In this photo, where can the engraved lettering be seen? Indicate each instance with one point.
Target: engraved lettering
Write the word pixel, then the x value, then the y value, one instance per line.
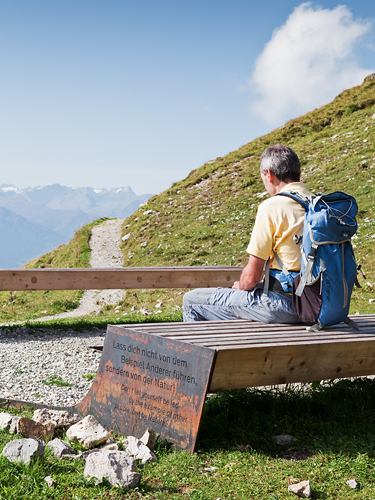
pixel 149 354
pixel 158 369
pixel 165 385
pixel 116 345
pixel 179 362
pixel 132 362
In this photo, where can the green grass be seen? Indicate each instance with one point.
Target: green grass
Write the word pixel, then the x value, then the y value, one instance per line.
pixel 333 425
pixel 207 218
pixel 22 306
pixel 56 380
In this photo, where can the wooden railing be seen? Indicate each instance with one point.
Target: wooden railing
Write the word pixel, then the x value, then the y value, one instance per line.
pixel 118 278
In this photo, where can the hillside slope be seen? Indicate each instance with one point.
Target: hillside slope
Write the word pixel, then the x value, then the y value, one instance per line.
pixel 19 306
pixel 207 218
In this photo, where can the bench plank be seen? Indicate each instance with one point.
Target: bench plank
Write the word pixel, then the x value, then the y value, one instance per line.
pixel 249 354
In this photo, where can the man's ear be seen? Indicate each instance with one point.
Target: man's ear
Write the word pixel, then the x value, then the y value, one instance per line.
pixel 270 175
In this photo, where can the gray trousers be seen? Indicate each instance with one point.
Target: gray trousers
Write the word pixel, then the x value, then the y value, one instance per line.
pixel 213 304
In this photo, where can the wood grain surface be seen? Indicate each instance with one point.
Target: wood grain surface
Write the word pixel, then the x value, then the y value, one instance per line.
pixel 118 278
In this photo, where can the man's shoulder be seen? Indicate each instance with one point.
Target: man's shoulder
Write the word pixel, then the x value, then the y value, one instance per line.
pixel 298 187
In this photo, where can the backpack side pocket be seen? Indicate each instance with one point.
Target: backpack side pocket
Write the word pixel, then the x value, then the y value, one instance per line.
pixel 308 305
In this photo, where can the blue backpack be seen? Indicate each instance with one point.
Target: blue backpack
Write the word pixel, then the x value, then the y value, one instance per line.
pixel 322 290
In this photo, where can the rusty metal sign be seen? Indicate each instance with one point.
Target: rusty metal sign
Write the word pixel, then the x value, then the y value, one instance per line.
pixel 146 380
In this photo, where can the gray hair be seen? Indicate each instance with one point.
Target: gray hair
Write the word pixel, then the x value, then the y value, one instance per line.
pixel 282 162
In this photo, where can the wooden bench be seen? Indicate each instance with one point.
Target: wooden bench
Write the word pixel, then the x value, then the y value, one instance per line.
pixel 158 375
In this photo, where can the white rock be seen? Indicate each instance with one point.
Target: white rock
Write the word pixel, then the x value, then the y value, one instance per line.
pixel 139 450
pixel 51 483
pixel 23 450
pixel 145 311
pixel 13 425
pixel 84 454
pixel 301 489
pixel 62 419
pixel 353 484
pixel 61 448
pixel 148 212
pixel 117 467
pixel 144 244
pixel 373 116
pixel 88 432
pixel 126 237
pixel 371 301
pixel 284 439
pixel 149 439
pixel 5 420
pixel 110 446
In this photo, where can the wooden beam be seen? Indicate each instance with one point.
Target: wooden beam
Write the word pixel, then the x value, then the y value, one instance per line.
pixel 118 278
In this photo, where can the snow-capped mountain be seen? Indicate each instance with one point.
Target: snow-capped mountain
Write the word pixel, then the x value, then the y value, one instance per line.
pixel 57 212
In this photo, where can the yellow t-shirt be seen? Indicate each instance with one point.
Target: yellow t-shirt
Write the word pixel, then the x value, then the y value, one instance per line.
pixel 278 219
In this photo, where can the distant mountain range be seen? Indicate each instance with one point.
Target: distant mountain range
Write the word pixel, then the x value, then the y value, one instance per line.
pixel 35 220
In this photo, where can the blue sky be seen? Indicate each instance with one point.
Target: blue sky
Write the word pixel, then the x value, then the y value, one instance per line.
pixel 125 93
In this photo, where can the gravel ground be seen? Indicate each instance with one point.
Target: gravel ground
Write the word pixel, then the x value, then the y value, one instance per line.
pixel 27 358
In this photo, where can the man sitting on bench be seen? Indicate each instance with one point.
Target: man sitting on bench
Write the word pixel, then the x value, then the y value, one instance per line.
pixel 277 222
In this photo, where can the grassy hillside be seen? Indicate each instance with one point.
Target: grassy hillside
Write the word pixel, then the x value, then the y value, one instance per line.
pixel 207 218
pixel 28 305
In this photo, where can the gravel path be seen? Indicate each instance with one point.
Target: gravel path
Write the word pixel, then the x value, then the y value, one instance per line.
pixel 29 359
pixel 105 252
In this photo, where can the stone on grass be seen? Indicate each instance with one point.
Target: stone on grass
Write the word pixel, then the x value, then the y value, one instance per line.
pixel 23 450
pixel 284 439
pixel 353 484
pixel 139 450
pixel 30 429
pixel 61 418
pixel 118 467
pixel 84 454
pixel 5 420
pixel 51 483
pixel 301 489
pixel 8 422
pixel 60 448
pixel 149 439
pixel 88 432
pixel 13 426
pixel 109 446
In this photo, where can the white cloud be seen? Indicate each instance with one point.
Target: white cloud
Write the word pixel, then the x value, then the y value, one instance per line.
pixel 307 62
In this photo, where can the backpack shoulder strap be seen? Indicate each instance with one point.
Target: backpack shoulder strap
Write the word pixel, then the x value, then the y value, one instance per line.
pixel 294 195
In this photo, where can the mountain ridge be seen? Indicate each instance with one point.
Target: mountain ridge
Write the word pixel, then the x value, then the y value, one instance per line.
pixel 61 210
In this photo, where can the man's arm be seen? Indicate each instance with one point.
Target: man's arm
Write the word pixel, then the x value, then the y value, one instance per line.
pixel 251 274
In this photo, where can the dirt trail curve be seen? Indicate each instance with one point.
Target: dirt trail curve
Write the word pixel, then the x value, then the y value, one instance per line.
pixel 105 252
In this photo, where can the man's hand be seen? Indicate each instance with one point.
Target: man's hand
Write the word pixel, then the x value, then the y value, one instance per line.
pixel 251 274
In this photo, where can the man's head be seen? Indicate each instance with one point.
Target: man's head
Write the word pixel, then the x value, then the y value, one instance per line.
pixel 282 162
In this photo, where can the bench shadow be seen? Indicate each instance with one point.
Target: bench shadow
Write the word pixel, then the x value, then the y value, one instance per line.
pixel 336 416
